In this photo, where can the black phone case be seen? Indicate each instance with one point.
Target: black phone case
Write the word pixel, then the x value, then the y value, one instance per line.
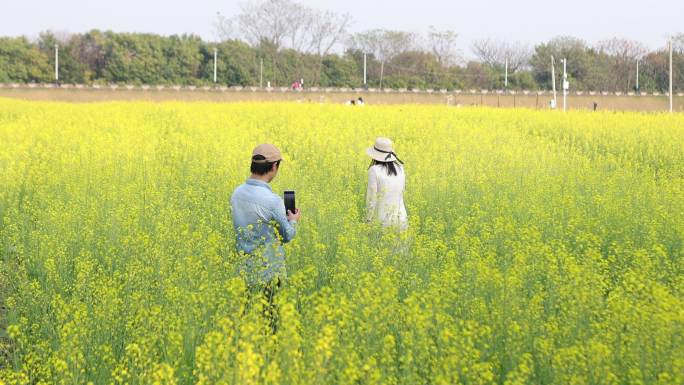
pixel 289 201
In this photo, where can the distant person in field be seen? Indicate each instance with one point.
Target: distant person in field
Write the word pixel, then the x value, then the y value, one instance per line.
pixel 262 225
pixel 386 181
pixel 355 102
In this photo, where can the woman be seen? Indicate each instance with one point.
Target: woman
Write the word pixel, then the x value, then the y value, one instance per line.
pixel 385 193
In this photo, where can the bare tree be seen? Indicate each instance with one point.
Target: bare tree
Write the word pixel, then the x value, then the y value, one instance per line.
pixel 278 24
pixel 620 56
pixel 442 44
pixel 224 27
pixel 327 29
pixel 622 49
pixel 300 19
pixel 678 43
pixel 271 22
pixel 383 44
pixel 496 53
pixel 397 42
pixel 284 24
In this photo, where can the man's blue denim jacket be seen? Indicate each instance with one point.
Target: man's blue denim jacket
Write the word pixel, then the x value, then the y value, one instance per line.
pixel 262 227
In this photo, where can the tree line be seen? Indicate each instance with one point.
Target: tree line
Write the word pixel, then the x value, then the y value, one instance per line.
pixel 281 41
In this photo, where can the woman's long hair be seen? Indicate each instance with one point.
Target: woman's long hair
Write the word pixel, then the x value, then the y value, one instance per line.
pixel 390 167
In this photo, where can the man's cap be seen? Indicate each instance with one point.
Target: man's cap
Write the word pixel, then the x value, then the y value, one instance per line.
pixel 268 151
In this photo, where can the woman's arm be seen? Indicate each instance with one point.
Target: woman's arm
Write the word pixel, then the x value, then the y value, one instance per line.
pixel 371 194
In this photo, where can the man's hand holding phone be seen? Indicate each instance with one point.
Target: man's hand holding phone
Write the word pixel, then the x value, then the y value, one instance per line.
pixel 290 207
pixel 293 216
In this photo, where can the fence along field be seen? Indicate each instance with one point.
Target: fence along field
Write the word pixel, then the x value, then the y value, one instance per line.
pixel 496 98
pixel 543 248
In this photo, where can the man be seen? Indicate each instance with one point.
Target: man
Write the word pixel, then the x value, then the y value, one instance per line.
pixel 262 226
pixel 260 221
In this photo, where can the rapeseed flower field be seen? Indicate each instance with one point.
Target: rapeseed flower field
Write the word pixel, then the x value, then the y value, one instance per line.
pixel 543 248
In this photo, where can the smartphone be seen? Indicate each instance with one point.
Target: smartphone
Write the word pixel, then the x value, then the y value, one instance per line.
pixel 289 201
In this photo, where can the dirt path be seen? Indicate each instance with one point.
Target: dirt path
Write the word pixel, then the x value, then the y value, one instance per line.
pixel 585 101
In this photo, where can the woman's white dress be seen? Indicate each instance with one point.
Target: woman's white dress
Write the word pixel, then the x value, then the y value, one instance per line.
pixel 385 197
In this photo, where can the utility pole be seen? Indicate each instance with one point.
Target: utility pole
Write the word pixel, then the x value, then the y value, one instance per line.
pixel 637 77
pixel 506 77
pixel 553 81
pixel 670 75
pixel 566 85
pixel 382 72
pixel 215 56
pixel 365 84
pixel 261 73
pixel 56 63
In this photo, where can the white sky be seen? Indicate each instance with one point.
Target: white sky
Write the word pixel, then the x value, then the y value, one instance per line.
pixel 527 21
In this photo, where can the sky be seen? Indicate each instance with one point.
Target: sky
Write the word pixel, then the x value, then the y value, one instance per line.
pixel 525 21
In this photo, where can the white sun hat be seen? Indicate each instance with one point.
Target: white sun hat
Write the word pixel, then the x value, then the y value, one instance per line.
pixel 383 151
